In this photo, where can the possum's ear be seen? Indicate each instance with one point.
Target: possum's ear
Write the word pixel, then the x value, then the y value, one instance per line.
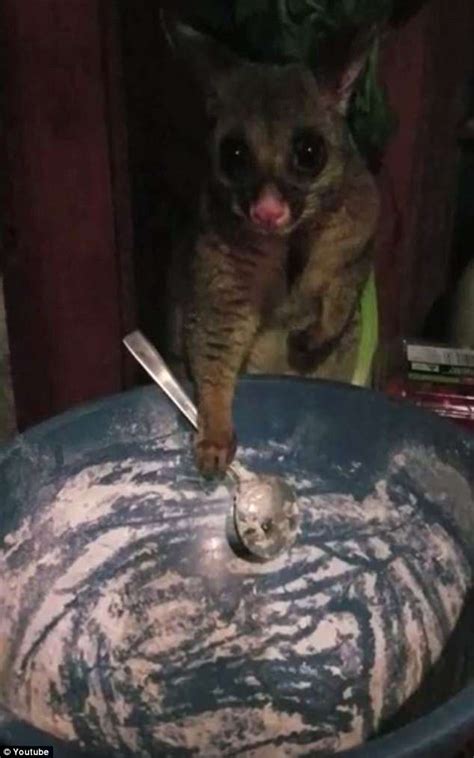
pixel 207 60
pixel 341 63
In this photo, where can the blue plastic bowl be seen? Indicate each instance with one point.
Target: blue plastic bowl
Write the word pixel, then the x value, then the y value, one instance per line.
pixel 332 439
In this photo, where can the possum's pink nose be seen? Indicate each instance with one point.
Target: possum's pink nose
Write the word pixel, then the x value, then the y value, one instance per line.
pixel 270 210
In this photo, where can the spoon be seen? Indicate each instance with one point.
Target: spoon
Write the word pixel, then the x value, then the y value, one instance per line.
pixel 266 513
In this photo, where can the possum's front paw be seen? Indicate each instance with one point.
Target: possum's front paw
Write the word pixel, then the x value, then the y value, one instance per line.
pixel 307 348
pixel 214 450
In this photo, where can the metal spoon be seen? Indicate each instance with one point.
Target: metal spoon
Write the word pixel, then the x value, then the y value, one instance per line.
pixel 266 513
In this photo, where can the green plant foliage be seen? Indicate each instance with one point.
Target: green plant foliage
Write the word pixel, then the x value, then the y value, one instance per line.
pixel 371 119
pixel 279 31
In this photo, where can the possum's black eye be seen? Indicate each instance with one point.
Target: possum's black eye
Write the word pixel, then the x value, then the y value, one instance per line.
pixel 308 152
pixel 234 158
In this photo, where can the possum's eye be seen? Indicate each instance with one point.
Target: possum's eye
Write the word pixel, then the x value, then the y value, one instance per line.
pixel 308 152
pixel 234 158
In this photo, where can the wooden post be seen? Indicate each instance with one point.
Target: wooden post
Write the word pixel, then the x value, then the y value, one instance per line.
pixel 65 248
pixel 427 64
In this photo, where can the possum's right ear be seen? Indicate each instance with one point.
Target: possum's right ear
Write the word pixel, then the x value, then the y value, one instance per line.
pixel 208 60
pixel 342 62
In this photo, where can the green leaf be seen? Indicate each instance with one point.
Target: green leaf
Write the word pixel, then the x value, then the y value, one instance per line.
pixel 211 16
pixel 349 7
pixel 244 10
pixel 298 9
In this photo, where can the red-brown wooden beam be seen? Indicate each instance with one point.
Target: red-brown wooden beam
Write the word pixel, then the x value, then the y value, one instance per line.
pixel 63 268
pixel 402 74
pixel 426 68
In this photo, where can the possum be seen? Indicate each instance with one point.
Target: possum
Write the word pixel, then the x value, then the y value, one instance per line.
pixel 269 278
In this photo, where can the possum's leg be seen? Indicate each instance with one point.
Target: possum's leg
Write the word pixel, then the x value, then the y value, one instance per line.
pixel 221 327
pixel 307 348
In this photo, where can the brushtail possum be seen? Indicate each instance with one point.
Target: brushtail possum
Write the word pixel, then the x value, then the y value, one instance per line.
pixel 270 277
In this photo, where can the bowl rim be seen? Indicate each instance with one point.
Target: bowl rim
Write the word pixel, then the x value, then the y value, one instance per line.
pixel 444 727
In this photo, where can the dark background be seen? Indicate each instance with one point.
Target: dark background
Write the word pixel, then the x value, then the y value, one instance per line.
pixel 101 142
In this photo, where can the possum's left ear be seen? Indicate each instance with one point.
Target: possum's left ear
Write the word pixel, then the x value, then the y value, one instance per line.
pixel 341 63
pixel 208 60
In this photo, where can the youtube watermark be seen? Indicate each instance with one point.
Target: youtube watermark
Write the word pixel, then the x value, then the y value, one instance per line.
pixel 22 751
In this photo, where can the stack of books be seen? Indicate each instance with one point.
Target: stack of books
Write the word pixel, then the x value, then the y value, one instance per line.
pixel 439 363
pixel 439 378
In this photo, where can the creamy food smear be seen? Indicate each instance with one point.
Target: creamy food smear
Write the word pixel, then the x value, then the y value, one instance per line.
pixel 123 607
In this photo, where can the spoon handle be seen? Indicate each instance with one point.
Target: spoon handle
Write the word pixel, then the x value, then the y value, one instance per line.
pixel 154 365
